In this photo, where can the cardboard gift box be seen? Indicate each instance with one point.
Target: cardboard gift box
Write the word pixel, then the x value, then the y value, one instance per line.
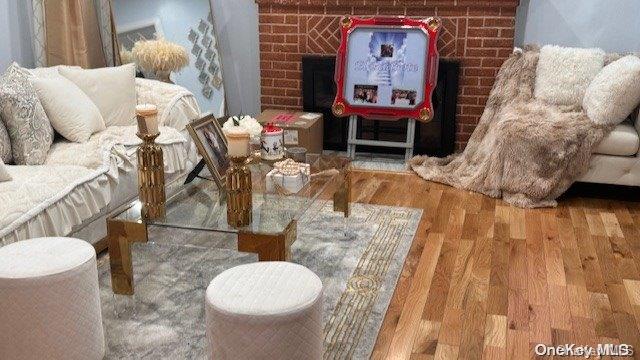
pixel 300 128
pixel 292 183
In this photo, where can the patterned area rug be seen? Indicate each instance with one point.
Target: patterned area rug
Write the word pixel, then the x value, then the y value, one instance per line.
pixel 358 259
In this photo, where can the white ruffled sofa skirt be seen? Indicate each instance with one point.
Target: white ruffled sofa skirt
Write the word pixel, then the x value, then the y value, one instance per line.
pixel 80 210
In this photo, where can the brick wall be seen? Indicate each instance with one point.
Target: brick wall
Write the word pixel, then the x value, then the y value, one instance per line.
pixel 481 36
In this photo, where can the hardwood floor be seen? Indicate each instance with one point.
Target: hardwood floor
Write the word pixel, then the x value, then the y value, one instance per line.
pixel 487 280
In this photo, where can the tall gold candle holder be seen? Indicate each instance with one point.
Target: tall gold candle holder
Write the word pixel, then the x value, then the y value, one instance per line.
pixel 151 178
pixel 239 202
pixel 150 164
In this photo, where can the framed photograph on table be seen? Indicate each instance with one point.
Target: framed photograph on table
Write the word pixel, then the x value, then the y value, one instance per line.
pixel 212 146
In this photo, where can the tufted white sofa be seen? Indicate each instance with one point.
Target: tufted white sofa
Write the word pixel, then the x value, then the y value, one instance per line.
pixel 617 159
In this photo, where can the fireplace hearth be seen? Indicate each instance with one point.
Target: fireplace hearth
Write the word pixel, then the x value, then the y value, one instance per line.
pixel 436 138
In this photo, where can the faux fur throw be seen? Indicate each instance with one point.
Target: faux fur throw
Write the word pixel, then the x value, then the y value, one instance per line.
pixel 523 150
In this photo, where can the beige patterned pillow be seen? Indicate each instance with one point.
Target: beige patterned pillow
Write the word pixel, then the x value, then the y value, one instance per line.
pixel 29 129
pixel 5 145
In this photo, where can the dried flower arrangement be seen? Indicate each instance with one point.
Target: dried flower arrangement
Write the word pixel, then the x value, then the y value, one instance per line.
pixel 126 56
pixel 159 57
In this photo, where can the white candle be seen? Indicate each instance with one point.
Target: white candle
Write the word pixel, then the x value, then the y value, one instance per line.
pixel 147 115
pixel 237 142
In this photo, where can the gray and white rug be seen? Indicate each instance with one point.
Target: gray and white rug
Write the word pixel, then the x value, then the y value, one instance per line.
pixel 359 260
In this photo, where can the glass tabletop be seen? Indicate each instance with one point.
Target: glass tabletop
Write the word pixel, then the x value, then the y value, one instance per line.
pixel 200 205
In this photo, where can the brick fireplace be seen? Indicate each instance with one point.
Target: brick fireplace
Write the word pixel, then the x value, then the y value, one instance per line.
pixel 478 33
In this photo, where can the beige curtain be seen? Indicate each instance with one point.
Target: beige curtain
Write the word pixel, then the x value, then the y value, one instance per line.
pixel 73 34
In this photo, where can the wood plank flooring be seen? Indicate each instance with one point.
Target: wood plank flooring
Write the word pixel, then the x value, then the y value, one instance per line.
pixel 484 280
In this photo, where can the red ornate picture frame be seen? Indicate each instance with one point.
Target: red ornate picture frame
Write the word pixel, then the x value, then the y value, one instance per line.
pixel 373 54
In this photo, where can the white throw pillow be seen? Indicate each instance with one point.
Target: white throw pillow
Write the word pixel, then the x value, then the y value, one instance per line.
pixel 4 173
pixel 70 111
pixel 615 91
pixel 112 89
pixel 49 72
pixel 563 74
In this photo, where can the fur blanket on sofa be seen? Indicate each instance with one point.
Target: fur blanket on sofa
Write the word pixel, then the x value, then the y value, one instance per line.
pixel 523 150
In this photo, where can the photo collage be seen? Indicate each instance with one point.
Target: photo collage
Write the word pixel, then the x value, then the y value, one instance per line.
pixel 388 73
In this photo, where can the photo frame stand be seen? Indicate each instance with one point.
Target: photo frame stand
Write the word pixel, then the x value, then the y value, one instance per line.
pixel 353 140
pixel 195 173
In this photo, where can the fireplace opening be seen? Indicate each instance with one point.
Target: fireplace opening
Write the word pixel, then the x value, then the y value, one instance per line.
pixel 435 138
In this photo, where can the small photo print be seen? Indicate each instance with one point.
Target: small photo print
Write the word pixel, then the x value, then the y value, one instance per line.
pixel 403 97
pixel 196 50
pixel 216 81
pixel 206 41
pixel 386 50
pixel 209 54
pixel 200 64
pixel 203 26
pixel 365 93
pixel 203 77
pixel 207 91
pixel 213 68
pixel 193 36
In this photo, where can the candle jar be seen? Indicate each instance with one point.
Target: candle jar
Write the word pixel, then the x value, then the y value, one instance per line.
pixel 272 142
pixel 237 143
pixel 147 116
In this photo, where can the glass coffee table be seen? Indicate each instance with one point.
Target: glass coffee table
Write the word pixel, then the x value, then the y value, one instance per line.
pixel 200 206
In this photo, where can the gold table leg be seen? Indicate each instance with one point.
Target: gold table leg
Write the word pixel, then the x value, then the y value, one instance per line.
pixel 120 235
pixel 342 197
pixel 269 247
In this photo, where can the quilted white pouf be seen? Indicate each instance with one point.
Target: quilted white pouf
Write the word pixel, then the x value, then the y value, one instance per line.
pixel 49 300
pixel 265 310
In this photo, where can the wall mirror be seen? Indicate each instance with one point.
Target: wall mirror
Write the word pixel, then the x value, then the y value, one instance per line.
pixel 188 24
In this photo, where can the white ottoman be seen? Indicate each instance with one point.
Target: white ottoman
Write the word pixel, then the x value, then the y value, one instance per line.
pixel 49 300
pixel 265 310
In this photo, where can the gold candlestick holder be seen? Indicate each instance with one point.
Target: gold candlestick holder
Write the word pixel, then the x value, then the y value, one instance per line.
pixel 151 178
pixel 239 202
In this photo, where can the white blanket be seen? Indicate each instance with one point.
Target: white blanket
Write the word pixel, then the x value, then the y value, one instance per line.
pixel 113 142
pixel 86 169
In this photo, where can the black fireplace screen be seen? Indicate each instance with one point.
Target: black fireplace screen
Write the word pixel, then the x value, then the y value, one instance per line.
pixel 436 138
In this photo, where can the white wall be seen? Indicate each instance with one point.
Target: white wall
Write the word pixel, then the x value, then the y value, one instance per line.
pixel 613 25
pixel 237 28
pixel 15 33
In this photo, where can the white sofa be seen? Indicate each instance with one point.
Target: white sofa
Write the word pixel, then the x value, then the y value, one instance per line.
pixel 81 184
pixel 616 160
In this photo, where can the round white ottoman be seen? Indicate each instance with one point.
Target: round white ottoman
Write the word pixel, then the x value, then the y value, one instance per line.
pixel 265 310
pixel 49 300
